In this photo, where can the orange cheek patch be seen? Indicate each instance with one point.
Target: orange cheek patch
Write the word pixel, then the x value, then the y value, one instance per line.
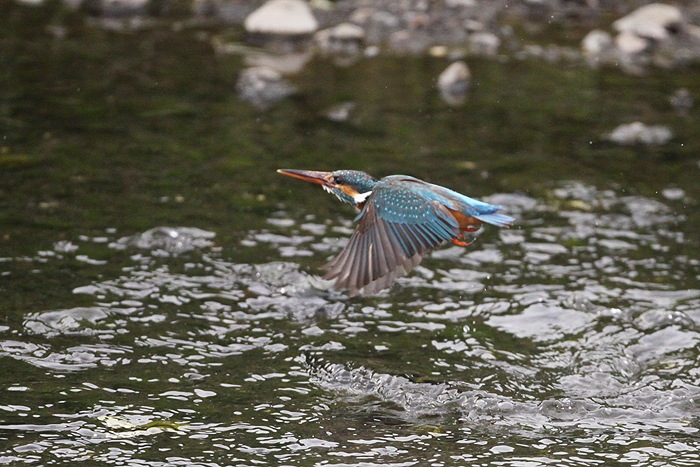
pixel 348 191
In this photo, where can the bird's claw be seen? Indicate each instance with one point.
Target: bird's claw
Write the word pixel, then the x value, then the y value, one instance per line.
pixel 462 241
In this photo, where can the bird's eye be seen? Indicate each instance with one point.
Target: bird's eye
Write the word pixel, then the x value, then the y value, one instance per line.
pixel 338 180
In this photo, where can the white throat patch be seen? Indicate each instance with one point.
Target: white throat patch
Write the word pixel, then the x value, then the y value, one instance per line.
pixel 361 197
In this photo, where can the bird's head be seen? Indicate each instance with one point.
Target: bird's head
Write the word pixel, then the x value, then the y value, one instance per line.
pixel 350 186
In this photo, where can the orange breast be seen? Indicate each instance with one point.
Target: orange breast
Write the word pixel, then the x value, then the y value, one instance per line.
pixel 466 223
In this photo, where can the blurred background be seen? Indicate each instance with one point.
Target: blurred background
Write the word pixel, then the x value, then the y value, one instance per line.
pixel 161 300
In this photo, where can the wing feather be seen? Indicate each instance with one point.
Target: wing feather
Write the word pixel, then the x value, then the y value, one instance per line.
pixel 385 257
pixel 388 242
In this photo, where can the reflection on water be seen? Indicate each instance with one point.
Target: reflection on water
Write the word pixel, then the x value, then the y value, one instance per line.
pixel 571 342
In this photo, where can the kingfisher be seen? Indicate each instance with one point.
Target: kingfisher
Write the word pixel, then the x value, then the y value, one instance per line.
pixel 401 218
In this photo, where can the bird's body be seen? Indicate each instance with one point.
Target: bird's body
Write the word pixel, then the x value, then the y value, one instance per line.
pixel 401 219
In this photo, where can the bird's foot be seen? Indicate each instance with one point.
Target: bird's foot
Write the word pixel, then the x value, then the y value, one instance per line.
pixel 462 241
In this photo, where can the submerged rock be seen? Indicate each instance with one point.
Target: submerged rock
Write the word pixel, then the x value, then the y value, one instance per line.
pixel 340 113
pixel 282 17
pixel 262 87
pixel 681 101
pixel 453 83
pixel 639 133
pixel 288 63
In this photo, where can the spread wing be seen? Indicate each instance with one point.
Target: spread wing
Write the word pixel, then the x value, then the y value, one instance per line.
pixel 396 228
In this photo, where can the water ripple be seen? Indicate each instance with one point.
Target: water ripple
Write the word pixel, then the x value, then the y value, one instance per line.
pixel 566 334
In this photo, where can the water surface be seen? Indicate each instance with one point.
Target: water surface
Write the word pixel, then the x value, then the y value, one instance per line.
pixel 161 299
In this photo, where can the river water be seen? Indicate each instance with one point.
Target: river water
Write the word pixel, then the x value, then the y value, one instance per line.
pixel 161 295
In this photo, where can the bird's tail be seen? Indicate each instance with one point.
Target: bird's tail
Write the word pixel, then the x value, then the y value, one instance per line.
pixel 500 220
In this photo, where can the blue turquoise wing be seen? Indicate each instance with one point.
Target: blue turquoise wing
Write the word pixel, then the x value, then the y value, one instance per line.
pixel 397 227
pixel 485 212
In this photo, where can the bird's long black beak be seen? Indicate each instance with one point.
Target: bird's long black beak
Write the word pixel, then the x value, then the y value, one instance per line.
pixel 312 176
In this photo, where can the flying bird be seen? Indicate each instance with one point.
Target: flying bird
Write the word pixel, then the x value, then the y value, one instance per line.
pixel 401 219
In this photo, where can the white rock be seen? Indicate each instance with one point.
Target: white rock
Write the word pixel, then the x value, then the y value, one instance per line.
pixel 639 133
pixel 453 83
pixel 652 21
pixel 630 44
pixel 455 77
pixel 282 17
pixel 347 32
pixel 596 43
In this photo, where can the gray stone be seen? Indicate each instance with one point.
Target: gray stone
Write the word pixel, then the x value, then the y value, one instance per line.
pixel 377 24
pixel 410 42
pixel 345 38
pixel 484 43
